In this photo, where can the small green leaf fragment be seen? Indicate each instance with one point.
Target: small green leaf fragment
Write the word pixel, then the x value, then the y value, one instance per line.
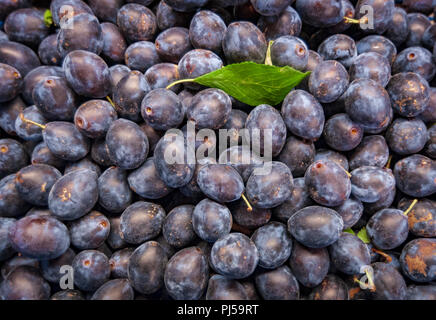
pixel 349 230
pixel 48 18
pixel 363 235
pixel 253 83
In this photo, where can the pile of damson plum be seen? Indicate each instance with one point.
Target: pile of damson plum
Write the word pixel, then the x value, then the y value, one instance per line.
pixel 91 207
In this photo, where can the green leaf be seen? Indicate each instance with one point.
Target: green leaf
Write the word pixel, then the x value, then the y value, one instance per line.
pixel 363 235
pixel 349 230
pixel 252 83
pixel 48 19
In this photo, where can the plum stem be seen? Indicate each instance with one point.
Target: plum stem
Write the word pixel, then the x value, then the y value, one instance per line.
pixel 32 122
pixel 268 60
pixel 410 207
pixel 250 208
pixel 110 101
pixel 388 164
pixel 179 81
pixel 355 21
pixel 383 254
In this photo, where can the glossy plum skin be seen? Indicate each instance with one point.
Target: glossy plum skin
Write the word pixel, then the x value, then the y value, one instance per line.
pixel 50 268
pixel 309 265
pixel 24 283
pixel 297 154
pixel 94 117
pixel 11 84
pixel 339 47
pixel 315 226
pixel 341 133
pixel 288 22
pixel 278 284
pixel 414 131
pixel 167 17
pixel 331 288
pixel 349 254
pixel 249 219
pixel 48 51
pixel 370 184
pixel 220 182
pixel 236 48
pixel 421 217
pixel 270 189
pixel 114 44
pixel 26 132
pixel 127 144
pixel 34 183
pixel 90 231
pixel 116 289
pixel 303 115
pixel 55 99
pixel 178 228
pixel 379 44
pixel 186 5
pixel 161 75
pixel 206 31
pixel 415 59
pixel 136 22
pixel 416 175
pixel 119 262
pixel 113 189
pixel 409 93
pixel 11 203
pixel 65 141
pixel 128 95
pixel 382 10
pixel 186 274
pixel 328 183
pixel 87 74
pixel 91 270
pixel 397 30
pixel 273 243
pixel 223 288
pixel 147 267
pixel 328 81
pixel 35 76
pixel 371 65
pixel 418 261
pixel 172 44
pixel 141 221
pixel 141 56
pixel 298 199
pixel 6 250
pixel 211 220
pixel 196 63
pixel 74 194
pixel 162 109
pixel 234 256
pixel 39 237
pixel 19 56
pixel 388 228
pixel 12 156
pixel 389 283
pixel 289 51
pixel 320 13
pixel 210 108
pixel 266 120
pixel 87 34
pixel 350 211
pixel 372 151
pixel 367 103
pixel 146 182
